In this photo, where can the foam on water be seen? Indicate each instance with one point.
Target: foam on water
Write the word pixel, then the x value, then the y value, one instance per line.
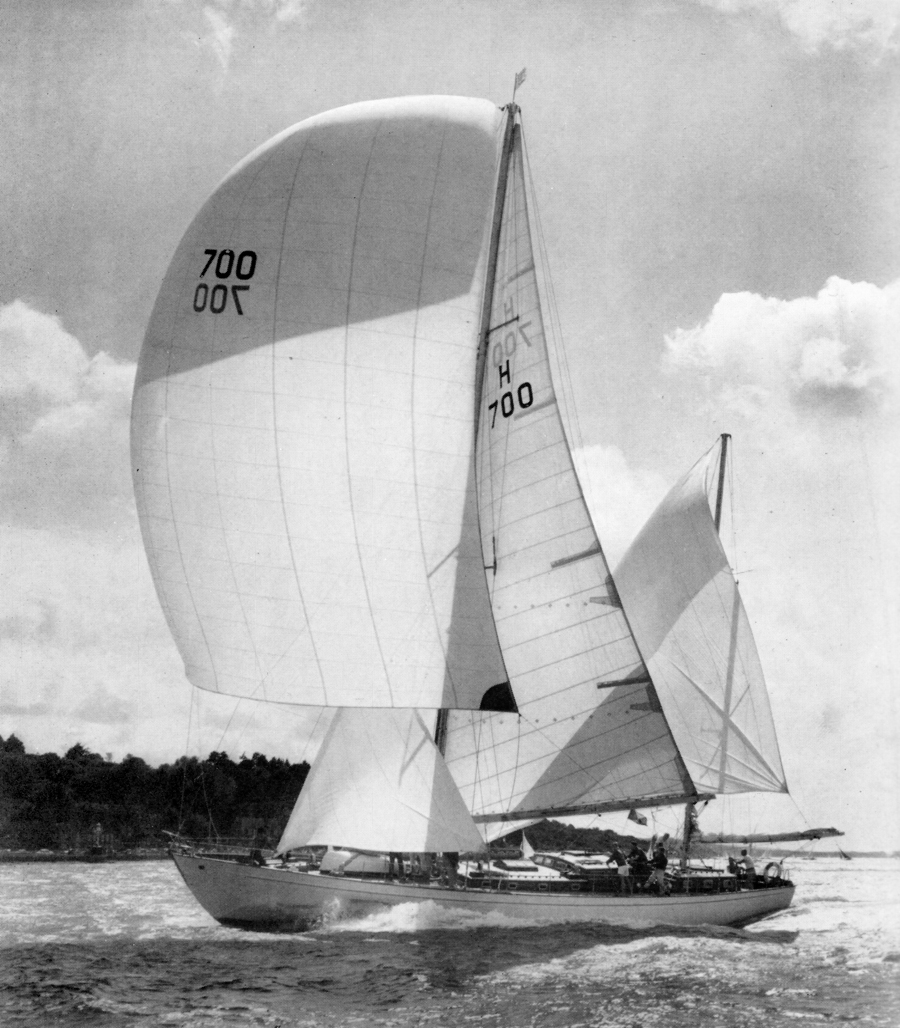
pixel 126 944
pixel 427 916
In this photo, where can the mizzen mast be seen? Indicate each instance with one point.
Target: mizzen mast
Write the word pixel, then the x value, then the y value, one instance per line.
pixel 690 810
pixel 720 491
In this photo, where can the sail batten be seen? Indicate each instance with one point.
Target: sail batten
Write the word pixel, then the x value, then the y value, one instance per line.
pixel 562 561
pixel 535 408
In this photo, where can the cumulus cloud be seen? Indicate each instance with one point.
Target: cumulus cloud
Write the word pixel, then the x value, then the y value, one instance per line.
pixel 85 654
pixel 63 427
pixel 77 604
pixel 870 26
pixel 222 23
pixel 220 34
pixel 620 498
pixel 289 10
pixel 103 707
pixel 41 360
pixel 833 354
pixel 810 388
pixel 79 621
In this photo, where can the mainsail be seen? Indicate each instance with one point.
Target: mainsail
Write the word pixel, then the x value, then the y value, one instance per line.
pixel 302 423
pixel 589 732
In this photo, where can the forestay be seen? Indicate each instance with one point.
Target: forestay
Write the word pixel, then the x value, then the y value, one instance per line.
pixel 687 615
pixel 302 422
pixel 589 729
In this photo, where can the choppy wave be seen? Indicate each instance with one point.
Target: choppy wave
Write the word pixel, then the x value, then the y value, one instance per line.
pixel 125 944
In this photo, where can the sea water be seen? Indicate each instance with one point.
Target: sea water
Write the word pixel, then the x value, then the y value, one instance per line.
pixel 125 944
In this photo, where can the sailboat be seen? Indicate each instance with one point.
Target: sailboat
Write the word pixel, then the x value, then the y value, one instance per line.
pixel 356 492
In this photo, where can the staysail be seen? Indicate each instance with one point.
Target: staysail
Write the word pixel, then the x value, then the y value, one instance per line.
pixel 686 612
pixel 302 431
pixel 589 733
pixel 380 784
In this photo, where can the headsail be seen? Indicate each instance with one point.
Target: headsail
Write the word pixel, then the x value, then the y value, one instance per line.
pixel 589 732
pixel 687 615
pixel 302 423
pixel 380 783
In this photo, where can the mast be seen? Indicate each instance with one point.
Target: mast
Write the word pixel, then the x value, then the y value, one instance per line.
pixel 509 135
pixel 721 488
pixel 690 810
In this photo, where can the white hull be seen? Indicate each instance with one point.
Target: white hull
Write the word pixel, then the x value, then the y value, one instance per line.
pixel 246 896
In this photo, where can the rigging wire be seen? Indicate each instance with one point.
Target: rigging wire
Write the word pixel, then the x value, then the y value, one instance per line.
pixel 187 748
pixel 551 308
pixel 732 513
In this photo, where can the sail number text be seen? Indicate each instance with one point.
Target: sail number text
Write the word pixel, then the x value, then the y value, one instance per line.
pixel 501 352
pixel 224 264
pixel 507 403
pixel 523 396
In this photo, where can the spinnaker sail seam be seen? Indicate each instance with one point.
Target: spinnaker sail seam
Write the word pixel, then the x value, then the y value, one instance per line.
pixel 304 629
pixel 364 583
pixel 185 290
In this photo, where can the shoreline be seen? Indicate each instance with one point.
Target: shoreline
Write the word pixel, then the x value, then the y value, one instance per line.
pixel 80 856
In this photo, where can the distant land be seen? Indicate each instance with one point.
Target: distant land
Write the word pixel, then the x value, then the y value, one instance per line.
pixel 82 806
pixel 81 802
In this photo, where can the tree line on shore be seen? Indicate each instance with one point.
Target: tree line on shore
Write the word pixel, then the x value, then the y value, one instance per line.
pixel 81 801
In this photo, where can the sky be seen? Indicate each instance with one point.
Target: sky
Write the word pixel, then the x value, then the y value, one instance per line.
pixel 718 184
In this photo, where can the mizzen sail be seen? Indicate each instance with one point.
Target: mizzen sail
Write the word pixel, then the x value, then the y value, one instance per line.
pixel 302 423
pixel 686 612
